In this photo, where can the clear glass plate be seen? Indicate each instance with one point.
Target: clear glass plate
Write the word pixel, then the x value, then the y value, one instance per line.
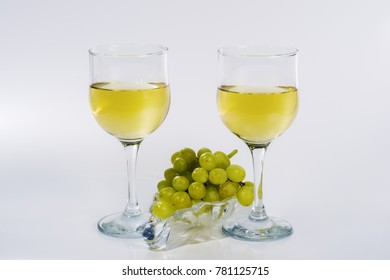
pixel 202 222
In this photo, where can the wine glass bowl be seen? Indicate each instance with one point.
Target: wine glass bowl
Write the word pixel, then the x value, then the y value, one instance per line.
pixel 265 113
pixel 257 100
pixel 129 98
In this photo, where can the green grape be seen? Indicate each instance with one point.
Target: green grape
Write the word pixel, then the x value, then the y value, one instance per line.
pixel 252 186
pixel 236 173
pixel 194 164
pixel 249 184
pixel 188 175
pixel 228 189
pixel 210 186
pixel 197 190
pixel 180 165
pixel 207 161
pixel 223 161
pixel 218 176
pixel 200 175
pixel 163 209
pixel 174 156
pixel 188 154
pixel 165 194
pixel 163 184
pixel 169 174
pixel 202 151
pixel 180 183
pixel 212 194
pixel 181 200
pixel 195 201
pixel 245 195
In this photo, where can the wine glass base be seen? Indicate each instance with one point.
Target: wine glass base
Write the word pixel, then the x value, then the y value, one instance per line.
pixel 246 229
pixel 123 226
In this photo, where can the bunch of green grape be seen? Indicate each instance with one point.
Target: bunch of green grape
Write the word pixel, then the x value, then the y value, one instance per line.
pixel 202 176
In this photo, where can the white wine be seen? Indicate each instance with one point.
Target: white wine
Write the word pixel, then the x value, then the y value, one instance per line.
pixel 256 114
pixel 129 111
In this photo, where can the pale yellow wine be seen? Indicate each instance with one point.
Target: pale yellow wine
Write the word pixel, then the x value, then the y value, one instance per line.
pixel 129 111
pixel 257 114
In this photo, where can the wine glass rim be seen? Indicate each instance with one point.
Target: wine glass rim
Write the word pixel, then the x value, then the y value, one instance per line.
pixel 128 50
pixel 257 51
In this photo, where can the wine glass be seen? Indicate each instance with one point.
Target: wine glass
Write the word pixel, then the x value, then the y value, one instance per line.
pixel 130 98
pixel 257 100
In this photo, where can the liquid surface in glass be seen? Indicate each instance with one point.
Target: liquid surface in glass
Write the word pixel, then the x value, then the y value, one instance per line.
pixel 257 114
pixel 129 111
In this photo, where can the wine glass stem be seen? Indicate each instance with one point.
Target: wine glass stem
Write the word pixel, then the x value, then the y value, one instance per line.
pixel 258 154
pixel 131 150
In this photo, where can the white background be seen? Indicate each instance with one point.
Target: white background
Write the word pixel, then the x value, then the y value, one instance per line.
pixel 59 172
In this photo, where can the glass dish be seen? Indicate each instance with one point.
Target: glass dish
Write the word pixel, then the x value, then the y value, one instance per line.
pixel 202 222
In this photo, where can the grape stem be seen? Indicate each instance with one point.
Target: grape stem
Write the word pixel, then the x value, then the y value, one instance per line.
pixel 232 153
